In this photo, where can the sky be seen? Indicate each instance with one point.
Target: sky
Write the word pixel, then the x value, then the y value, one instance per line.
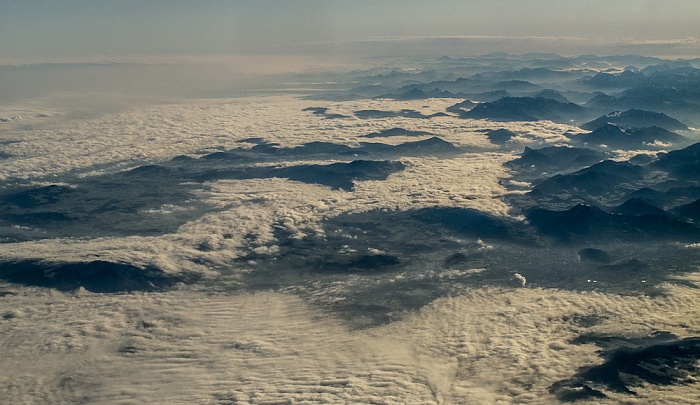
pixel 42 30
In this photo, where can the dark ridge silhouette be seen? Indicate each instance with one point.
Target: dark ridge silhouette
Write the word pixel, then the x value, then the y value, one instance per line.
pixel 580 220
pixel 335 116
pixel 626 79
pixel 601 179
pixel 430 146
pixel 624 170
pixel 270 148
pixel 498 112
pixel 638 206
pixel 316 110
pixel 642 159
pixel 673 91
pixel 95 276
pixel 594 256
pixel 339 176
pixel 669 197
pixel 636 119
pixel 150 171
pixel 367 114
pixel 514 86
pixel 500 136
pixel 460 107
pixel 689 211
pixel 313 148
pixel 395 132
pixel 591 222
pixel 465 221
pixel 555 158
pixel 418 94
pixel 219 156
pixel 182 159
pixel 684 163
pixel 613 136
pixel 531 158
pixel 413 94
pixel 37 197
pixel 660 360
pixel 489 96
pixel 434 88
pixel 378 114
pixel 323 111
pixel 552 95
pixel 526 109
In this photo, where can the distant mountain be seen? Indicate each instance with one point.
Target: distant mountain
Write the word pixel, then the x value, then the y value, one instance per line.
pixel 552 95
pixel 336 175
pixel 555 158
pixel 626 79
pixel 430 146
pixel 385 133
pixel 418 94
pixel 590 222
pixel 378 114
pixel 638 206
pixel 500 136
pixel 602 180
pixel 667 65
pixel 689 211
pixel 371 90
pixel 552 73
pixel 463 106
pixel 310 148
pixel 668 197
pixel 368 114
pixel 684 163
pixel 488 96
pixel 674 91
pixel 323 111
pixel 636 119
pixel 526 109
pixel 642 159
pixel 615 137
pixel 465 221
pixel 516 86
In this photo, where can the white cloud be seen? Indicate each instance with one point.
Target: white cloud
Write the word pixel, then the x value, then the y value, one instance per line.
pixel 193 345
pixel 54 146
pixel 251 209
pixel 190 346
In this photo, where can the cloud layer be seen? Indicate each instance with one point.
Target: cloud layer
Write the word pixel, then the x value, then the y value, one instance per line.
pixel 485 345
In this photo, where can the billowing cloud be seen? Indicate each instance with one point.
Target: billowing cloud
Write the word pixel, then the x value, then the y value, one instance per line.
pixel 485 345
pixel 453 327
pixel 249 210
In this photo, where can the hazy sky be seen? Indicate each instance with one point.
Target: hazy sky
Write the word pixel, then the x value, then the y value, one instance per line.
pixel 79 29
